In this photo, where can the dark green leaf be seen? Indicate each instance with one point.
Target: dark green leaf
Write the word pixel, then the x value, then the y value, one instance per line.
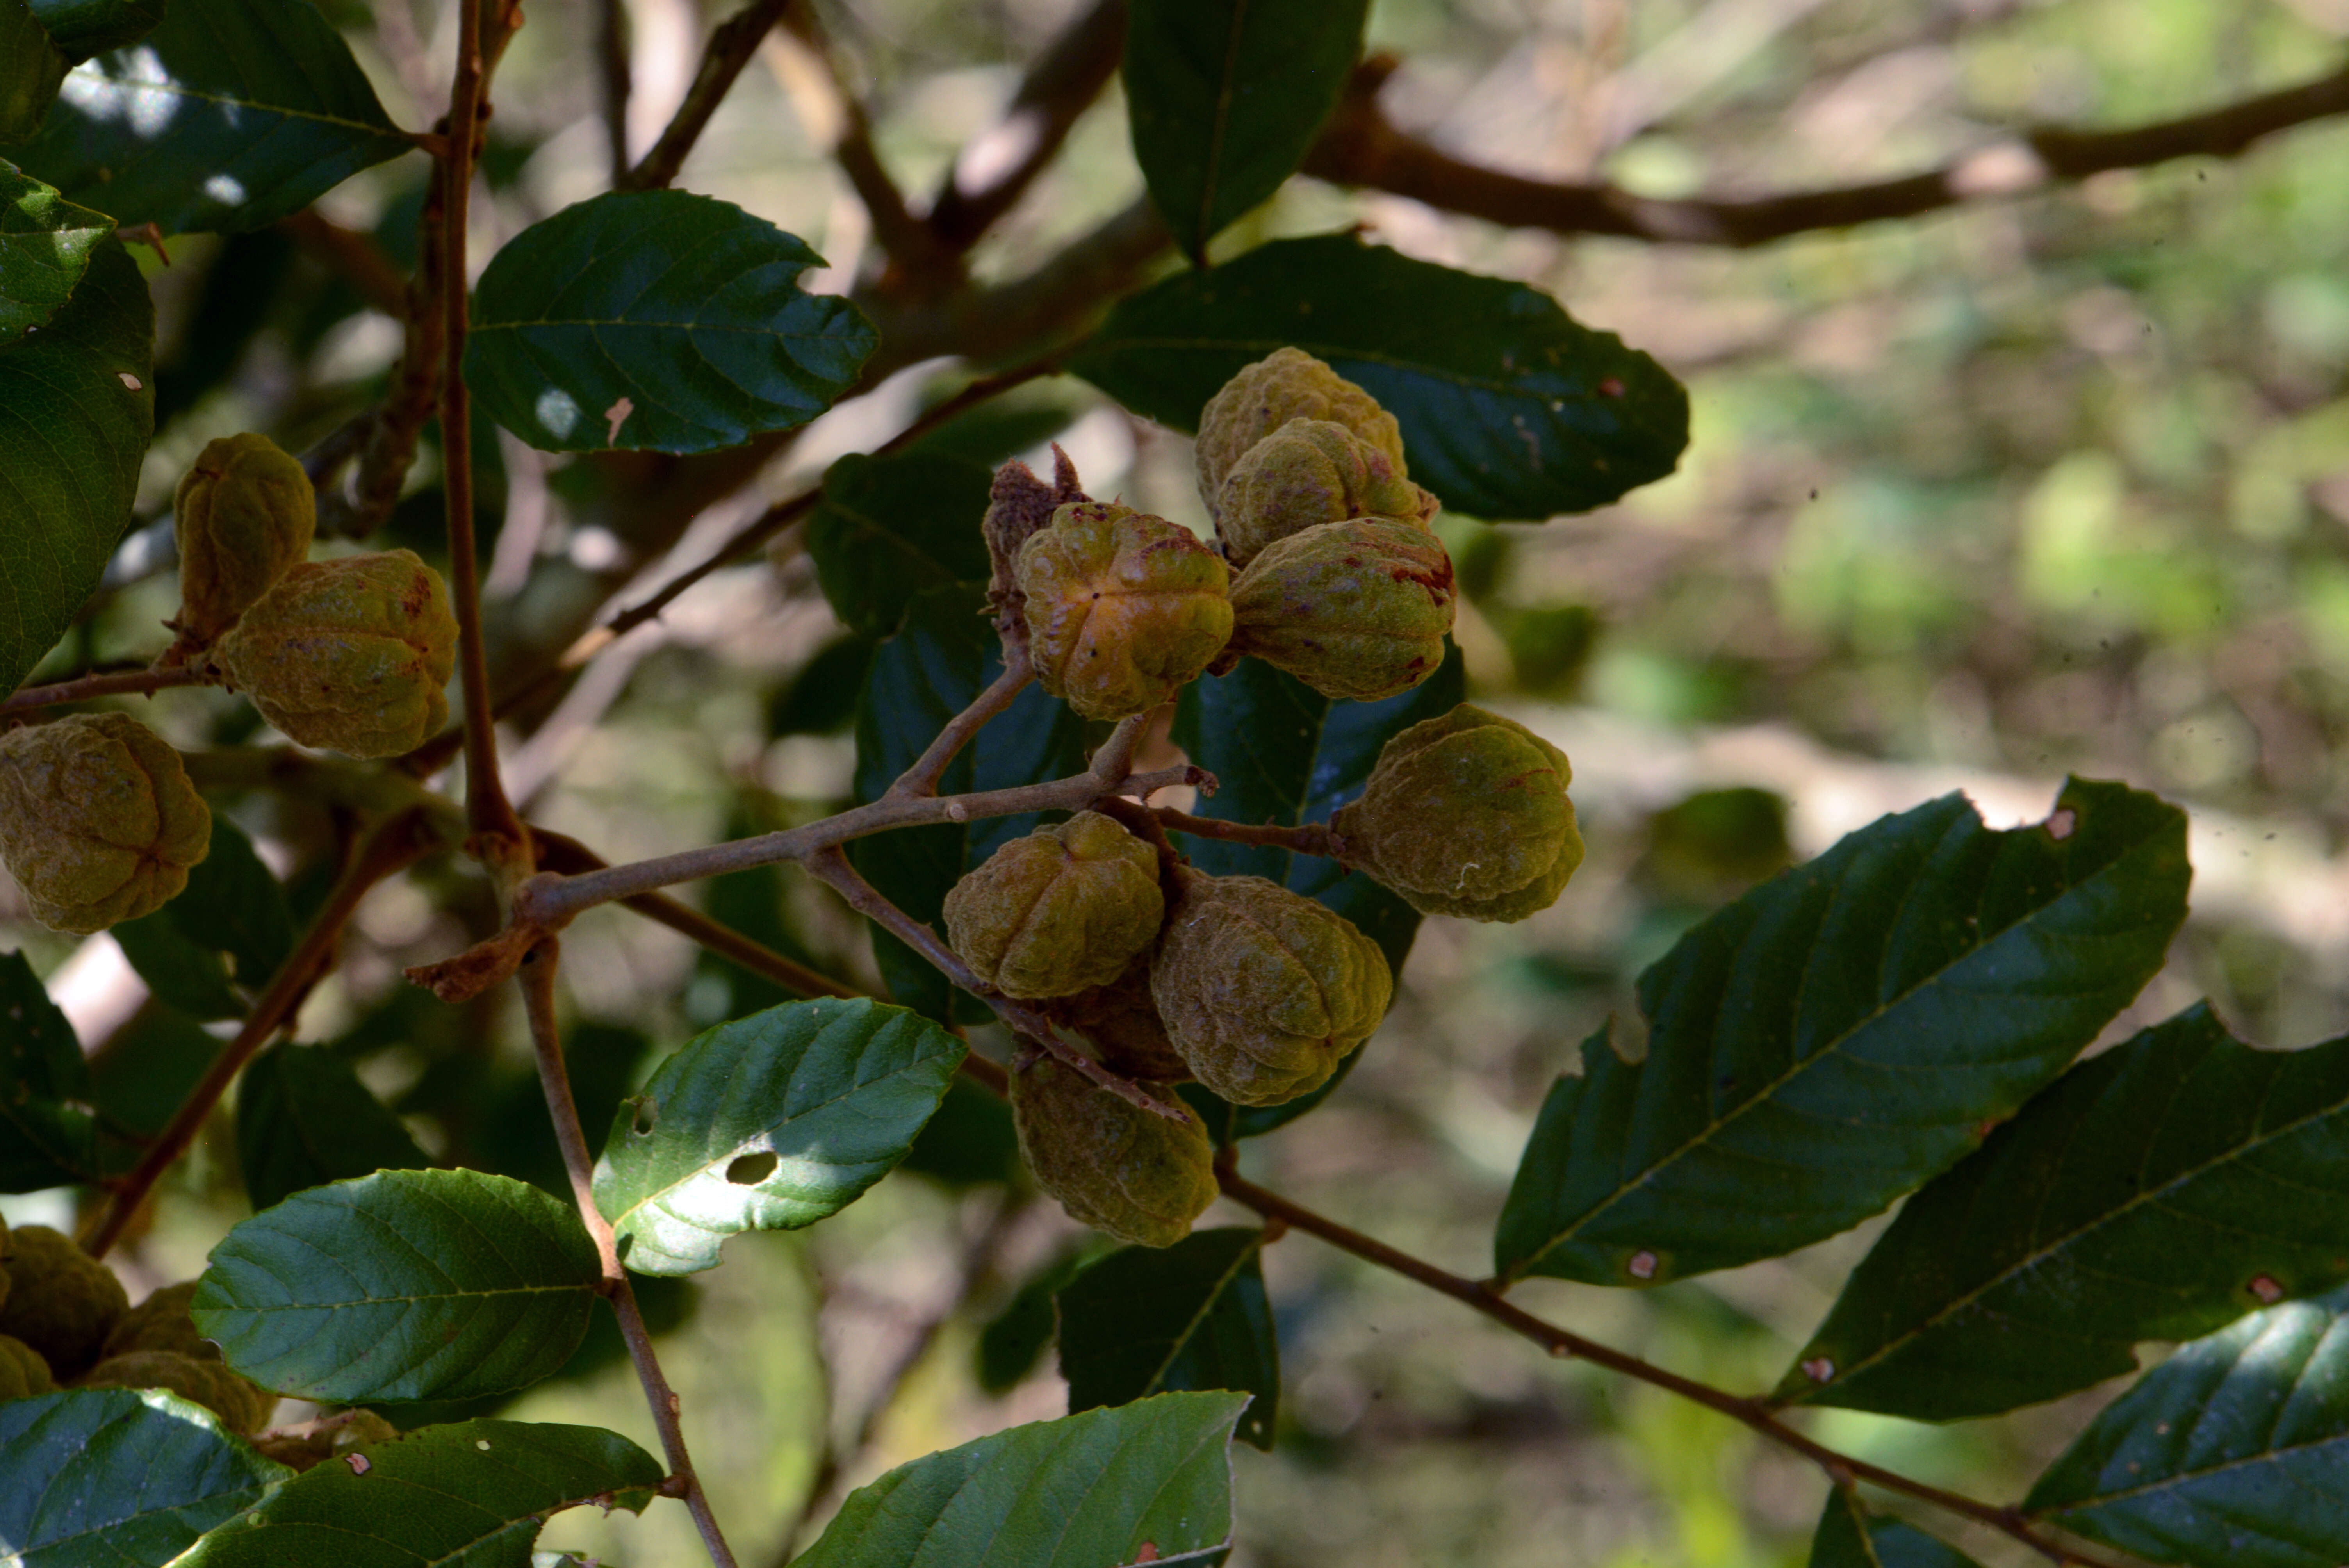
pixel 407 1285
pixel 2159 1191
pixel 1283 753
pixel 655 320
pixel 1843 1032
pixel 970 1140
pixel 146 1070
pixel 2234 1453
pixel 1510 408
pixel 231 921
pixel 1146 1482
pixel 1226 96
pixel 46 244
pixel 944 655
pixel 304 1119
pixel 471 1495
pixel 50 1136
pixel 890 527
pixel 1848 1537
pixel 77 406
pixel 768 1123
pixel 1154 1320
pixel 229 116
pixel 84 27
pixel 822 697
pixel 31 69
pixel 1014 1339
pixel 119 1478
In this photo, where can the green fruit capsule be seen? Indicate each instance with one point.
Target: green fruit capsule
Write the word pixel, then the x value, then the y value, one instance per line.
pixel 1066 908
pixel 1355 609
pixel 99 822
pixel 244 516
pixel 1112 1164
pixel 1287 384
pixel 62 1302
pixel 1310 471
pixel 1123 609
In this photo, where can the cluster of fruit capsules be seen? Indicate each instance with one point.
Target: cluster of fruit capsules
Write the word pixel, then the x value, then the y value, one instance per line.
pixel 1326 568
pixel 99 821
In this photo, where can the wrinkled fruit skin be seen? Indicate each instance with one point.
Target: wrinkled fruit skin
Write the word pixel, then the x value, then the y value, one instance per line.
pixel 61 1301
pixel 161 1323
pixel 1124 1025
pixel 1112 1165
pixel 1467 815
pixel 1355 609
pixel 22 1373
pixel 244 516
pixel 1288 384
pixel 349 654
pixel 1263 991
pixel 241 1407
pixel 1123 608
pixel 1058 912
pixel 98 820
pixel 1305 472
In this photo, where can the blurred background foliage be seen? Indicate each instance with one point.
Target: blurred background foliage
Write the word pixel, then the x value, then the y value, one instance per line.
pixel 2027 487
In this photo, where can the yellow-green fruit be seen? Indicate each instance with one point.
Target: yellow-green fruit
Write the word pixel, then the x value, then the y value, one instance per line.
pixel 22 1373
pixel 61 1301
pixel 349 654
pixel 1122 1023
pixel 241 1407
pixel 161 1323
pixel 1263 991
pixel 1060 911
pixel 1467 815
pixel 1309 471
pixel 1288 384
pixel 98 820
pixel 1112 1164
pixel 1354 609
pixel 1123 608
pixel 243 516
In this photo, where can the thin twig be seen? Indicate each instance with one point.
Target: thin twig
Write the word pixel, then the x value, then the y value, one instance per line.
pixel 1359 146
pixel 393 844
pixel 356 256
pixel 920 781
pixel 612 63
pixel 1753 1413
pixel 905 239
pixel 537 977
pixel 119 682
pixel 730 48
pixel 1305 839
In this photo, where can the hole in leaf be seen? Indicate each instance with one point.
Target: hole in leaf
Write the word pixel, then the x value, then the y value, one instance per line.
pixel 642 1122
pixel 749 1169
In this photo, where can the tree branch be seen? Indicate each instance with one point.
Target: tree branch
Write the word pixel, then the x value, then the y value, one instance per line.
pixel 616 83
pixel 1753 1413
pixel 119 683
pixel 1361 146
pixel 1305 839
pixel 730 48
pixel 537 977
pixel 902 238
pixel 393 844
pixel 920 781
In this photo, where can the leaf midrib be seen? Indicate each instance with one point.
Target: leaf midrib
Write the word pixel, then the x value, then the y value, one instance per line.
pixel 385 131
pixel 1206 1309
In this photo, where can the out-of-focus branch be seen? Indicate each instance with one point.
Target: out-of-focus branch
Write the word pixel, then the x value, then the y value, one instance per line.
pixel 354 255
pixel 996 169
pixel 612 64
pixel 903 239
pixel 730 48
pixel 117 683
pixel 1361 146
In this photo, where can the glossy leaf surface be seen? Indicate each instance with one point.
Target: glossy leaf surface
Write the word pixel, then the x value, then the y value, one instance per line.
pixel 1849 1537
pixel 2157 1192
pixel 46 244
pixel 32 68
pixel 472 1494
pixel 407 1285
pixel 1843 1032
pixel 113 1478
pixel 76 406
pixel 659 321
pixel 1146 1482
pixel 2234 1453
pixel 1225 96
pixel 48 1137
pixel 227 117
pixel 768 1123
pixel 1509 407
pixel 81 28
pixel 1156 1320
pixel 304 1119
pixel 890 527
pixel 230 923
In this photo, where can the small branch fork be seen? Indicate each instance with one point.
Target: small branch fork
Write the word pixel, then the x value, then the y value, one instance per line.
pixel 119 683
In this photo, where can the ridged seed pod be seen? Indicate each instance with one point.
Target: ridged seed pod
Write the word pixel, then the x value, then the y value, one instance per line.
pixel 1467 815
pixel 1310 471
pixel 22 1373
pixel 1122 1023
pixel 99 822
pixel 1287 384
pixel 243 516
pixel 349 654
pixel 1354 609
pixel 1112 1165
pixel 1263 991
pixel 161 1323
pixel 1066 908
pixel 61 1301
pixel 241 1407
pixel 1123 609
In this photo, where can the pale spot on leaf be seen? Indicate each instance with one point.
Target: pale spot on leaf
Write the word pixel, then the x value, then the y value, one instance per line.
pixel 1643 1266
pixel 616 416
